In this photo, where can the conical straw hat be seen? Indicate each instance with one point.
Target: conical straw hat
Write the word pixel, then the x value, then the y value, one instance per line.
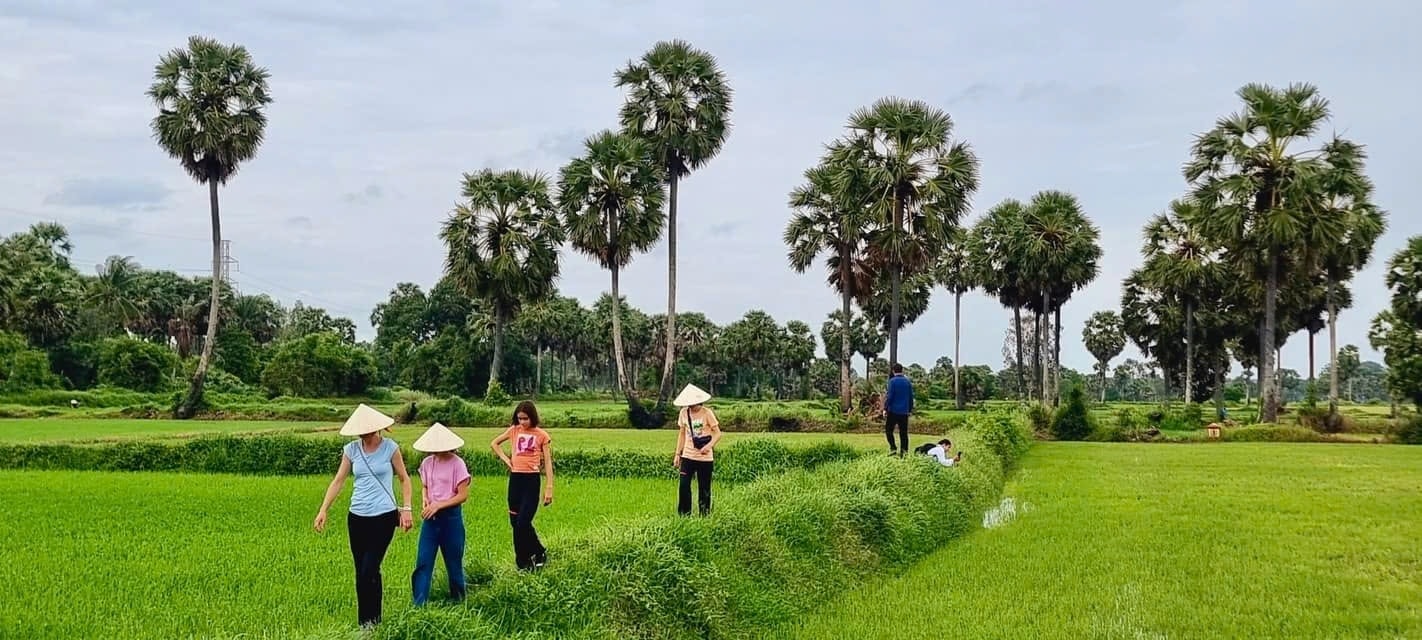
pixel 692 395
pixel 365 420
pixel 438 438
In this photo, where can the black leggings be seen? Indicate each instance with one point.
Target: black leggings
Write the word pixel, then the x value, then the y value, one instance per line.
pixel 901 421
pixel 370 537
pixel 524 499
pixel 702 471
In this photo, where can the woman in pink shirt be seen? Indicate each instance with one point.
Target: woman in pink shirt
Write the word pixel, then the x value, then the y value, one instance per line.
pixel 445 481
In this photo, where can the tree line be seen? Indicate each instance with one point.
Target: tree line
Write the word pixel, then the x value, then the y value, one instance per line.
pixel 1272 227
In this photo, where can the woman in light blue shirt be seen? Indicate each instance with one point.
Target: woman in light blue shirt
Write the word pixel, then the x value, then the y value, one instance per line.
pixel 374 460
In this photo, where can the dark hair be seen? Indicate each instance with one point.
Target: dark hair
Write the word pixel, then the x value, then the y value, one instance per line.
pixel 526 408
pixel 897 368
pixel 945 442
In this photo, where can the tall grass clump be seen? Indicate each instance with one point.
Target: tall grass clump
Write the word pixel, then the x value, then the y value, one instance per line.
pixel 770 550
pixel 1073 419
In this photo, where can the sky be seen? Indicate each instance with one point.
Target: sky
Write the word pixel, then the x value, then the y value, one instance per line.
pixel 380 107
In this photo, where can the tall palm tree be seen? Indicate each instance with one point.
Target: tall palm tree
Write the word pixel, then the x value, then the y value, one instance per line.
pixel 1258 181
pixel 954 271
pixel 831 212
pixel 1062 251
pixel 502 246
pixel 211 100
pixel 679 101
pixel 1179 260
pixel 1347 200
pixel 611 198
pixel 1104 338
pixel 924 183
pixel 995 246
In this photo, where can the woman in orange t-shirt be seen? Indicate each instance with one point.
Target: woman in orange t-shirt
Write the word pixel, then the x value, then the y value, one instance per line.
pixel 698 433
pixel 532 449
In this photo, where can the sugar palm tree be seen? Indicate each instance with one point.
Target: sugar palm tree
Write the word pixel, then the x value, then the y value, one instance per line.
pixel 1105 339
pixel 1179 260
pixel 211 101
pixel 831 211
pixel 924 180
pixel 954 271
pixel 1257 177
pixel 502 246
pixel 679 102
pixel 611 198
pixel 995 247
pixel 1062 251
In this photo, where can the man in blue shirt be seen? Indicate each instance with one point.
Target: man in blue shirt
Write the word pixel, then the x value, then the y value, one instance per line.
pixel 898 404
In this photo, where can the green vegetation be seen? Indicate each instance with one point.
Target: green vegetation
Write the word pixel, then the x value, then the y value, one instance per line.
pixel 1248 540
pixel 164 555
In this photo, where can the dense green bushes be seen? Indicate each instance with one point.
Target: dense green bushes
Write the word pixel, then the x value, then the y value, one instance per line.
pixel 290 455
pixel 1072 421
pixel 1272 433
pixel 137 365
pixel 23 368
pixel 771 550
pixel 319 365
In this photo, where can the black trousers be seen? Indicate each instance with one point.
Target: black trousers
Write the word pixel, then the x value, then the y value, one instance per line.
pixel 702 472
pixel 900 420
pixel 524 498
pixel 370 537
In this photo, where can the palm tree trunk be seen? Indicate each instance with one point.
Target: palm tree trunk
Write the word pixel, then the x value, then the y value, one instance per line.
pixel 497 365
pixel 958 349
pixel 1057 356
pixel 845 386
pixel 1268 393
pixel 1219 387
pixel 538 373
pixel 1037 357
pixel 896 276
pixel 194 399
pixel 617 354
pixel 1189 352
pixel 669 365
pixel 1332 353
pixel 1310 356
pixel 1021 365
pixel 1102 375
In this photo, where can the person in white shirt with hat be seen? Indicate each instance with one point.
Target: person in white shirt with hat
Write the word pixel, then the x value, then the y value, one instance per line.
pixel 444 482
pixel 373 460
pixel 698 432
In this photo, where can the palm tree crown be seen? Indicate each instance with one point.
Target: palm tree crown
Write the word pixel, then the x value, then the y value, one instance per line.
pixel 611 199
pixel 211 99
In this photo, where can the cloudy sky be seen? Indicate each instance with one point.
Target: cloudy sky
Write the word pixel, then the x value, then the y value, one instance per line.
pixel 381 106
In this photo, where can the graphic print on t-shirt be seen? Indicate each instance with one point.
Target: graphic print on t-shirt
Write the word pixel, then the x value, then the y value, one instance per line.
pixel 525 443
pixel 696 426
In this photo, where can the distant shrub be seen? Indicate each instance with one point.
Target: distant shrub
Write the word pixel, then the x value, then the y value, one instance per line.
pixel 1073 419
pixel 318 365
pixel 495 396
pixel 1410 431
pixel 457 412
pixel 1039 417
pixel 1272 433
pixel 136 364
pixel 22 368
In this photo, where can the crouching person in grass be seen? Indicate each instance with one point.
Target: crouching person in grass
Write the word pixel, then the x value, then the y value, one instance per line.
pixel 532 450
pixel 444 479
pixel 373 517
pixel 698 434
pixel 940 451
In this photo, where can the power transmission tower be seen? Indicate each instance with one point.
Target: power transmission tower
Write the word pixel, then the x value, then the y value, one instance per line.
pixel 228 263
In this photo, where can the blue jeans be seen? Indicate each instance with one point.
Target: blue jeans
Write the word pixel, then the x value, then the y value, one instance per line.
pixel 444 533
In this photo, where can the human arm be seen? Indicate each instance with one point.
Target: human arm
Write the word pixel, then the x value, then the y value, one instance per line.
pixel 548 473
pixel 397 462
pixel 461 493
pixel 497 446
pixel 888 400
pixel 332 491
pixel 680 442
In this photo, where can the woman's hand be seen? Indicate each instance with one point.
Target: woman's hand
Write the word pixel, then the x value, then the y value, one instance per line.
pixel 702 451
pixel 430 510
pixel 547 497
pixel 676 461
pixel 406 521
pixel 320 523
